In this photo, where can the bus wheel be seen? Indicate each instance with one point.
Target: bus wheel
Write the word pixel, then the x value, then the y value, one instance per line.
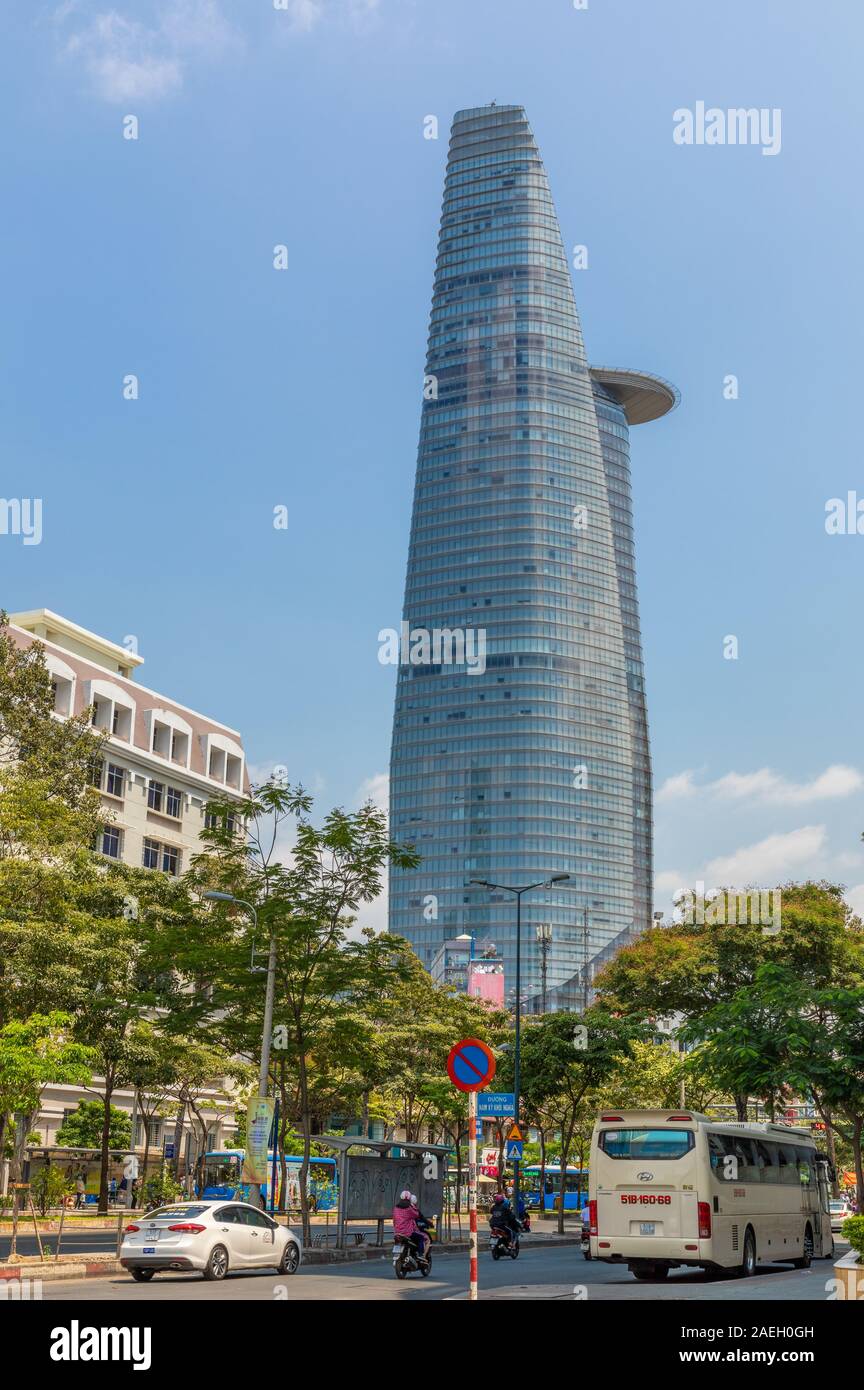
pixel 647 1270
pixel 806 1252
pixel 747 1266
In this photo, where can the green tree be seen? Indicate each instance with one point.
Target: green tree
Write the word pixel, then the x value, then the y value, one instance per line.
pixel 565 1059
pixel 325 978
pixel 689 969
pixel 83 1128
pixel 33 1052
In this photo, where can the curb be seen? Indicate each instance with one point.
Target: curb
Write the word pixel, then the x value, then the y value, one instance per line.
pixel 89 1269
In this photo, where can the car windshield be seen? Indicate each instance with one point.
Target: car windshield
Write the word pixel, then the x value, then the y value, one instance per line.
pixel 177 1212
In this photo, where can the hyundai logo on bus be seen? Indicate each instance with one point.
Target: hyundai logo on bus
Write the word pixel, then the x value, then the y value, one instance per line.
pixel 645 1177
pixel 471 1065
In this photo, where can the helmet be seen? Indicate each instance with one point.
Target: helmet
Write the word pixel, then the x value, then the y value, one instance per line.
pixel 405 1196
pixel 413 1196
pixel 500 1197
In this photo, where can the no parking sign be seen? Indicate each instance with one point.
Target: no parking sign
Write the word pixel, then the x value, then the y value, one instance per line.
pixel 471 1065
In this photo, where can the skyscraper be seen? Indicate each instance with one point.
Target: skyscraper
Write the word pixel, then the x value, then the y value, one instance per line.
pixel 536 760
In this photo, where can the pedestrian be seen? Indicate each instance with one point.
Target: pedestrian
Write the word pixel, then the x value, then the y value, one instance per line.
pixel 80 1191
pixel 112 1192
pixel 134 1202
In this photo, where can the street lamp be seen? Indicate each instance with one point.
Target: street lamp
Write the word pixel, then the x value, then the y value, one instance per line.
pixel 517 1052
pixel 264 1073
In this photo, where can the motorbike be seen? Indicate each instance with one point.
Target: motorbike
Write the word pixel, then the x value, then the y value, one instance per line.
pixel 406 1259
pixel 504 1242
pixel 586 1244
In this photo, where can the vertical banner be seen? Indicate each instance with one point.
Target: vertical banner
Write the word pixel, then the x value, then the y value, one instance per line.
pixel 259 1122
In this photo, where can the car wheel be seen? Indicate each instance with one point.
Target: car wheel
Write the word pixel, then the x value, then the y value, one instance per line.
pixel 290 1261
pixel 747 1268
pixel 806 1258
pixel 142 1276
pixel 217 1263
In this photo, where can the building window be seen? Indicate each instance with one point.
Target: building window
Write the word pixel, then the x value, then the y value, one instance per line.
pixel 95 772
pixel 170 860
pixel 154 796
pixel 151 854
pixel 173 802
pixel 154 1132
pixel 111 841
pixel 115 779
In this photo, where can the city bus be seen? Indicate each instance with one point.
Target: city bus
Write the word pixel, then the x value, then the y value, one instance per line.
pixel 575 1186
pixel 674 1188
pixel 223 1167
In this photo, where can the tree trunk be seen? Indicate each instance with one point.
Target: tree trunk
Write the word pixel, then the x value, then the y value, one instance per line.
pixel 740 1107
pixel 542 1134
pixel 110 1076
pixel 566 1141
pixel 146 1149
pixel 307 1146
pixel 178 1135
pixel 859 1169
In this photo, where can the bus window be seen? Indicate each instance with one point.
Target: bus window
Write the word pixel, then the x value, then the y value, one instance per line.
pixel 640 1144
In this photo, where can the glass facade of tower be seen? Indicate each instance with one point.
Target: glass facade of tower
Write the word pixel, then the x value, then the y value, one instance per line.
pixel 522 530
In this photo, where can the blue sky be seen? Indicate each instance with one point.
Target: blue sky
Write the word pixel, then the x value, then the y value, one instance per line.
pixel 301 388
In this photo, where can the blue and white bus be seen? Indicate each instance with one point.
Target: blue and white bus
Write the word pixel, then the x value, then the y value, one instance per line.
pixel 223 1167
pixel 575 1186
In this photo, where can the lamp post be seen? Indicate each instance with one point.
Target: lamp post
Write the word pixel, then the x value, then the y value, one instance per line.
pixel 267 1031
pixel 517 1054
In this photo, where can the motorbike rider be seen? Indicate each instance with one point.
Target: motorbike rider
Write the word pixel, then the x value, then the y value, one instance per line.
pixel 501 1218
pixel 423 1224
pixel 405 1225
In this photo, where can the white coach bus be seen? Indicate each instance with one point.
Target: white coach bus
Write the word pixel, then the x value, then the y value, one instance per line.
pixel 676 1188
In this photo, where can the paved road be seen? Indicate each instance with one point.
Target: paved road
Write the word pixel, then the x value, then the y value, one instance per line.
pixel 557 1273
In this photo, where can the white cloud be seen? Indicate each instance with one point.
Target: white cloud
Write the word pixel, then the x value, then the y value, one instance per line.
pixel 855 899
pixel 376 789
pixel 302 15
pixel 764 787
pixel 769 861
pixel 127 60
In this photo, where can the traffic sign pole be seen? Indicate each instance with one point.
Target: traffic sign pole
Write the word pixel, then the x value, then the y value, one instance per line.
pixel 471 1067
pixel 472 1195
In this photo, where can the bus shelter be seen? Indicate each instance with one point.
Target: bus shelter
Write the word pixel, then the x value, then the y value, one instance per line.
pixel 371 1177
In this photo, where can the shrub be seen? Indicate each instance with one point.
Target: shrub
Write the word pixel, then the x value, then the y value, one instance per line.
pixel 48 1188
pixel 853 1231
pixel 159 1190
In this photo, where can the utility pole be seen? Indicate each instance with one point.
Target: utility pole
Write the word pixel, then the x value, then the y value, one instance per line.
pixel 585 935
pixel 544 937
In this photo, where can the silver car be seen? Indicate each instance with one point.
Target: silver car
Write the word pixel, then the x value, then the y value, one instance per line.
pixel 213 1237
pixel 840 1209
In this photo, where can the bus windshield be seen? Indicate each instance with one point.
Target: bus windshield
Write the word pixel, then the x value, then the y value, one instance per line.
pixel 637 1144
